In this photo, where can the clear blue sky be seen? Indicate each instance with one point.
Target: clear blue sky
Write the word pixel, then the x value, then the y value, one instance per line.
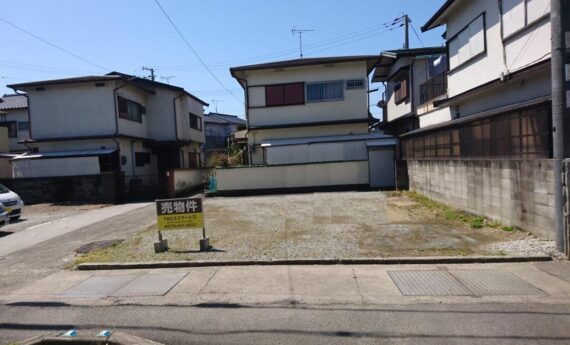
pixel 124 35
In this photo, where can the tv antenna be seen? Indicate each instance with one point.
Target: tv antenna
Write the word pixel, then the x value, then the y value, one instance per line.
pixel 216 101
pixel 300 32
pixel 151 70
pixel 167 78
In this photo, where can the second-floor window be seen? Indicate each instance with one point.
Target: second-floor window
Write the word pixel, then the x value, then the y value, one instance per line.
pixel 195 122
pixel 468 43
pixel 325 91
pixel 130 110
pixel 401 91
pixel 284 94
pixel 517 14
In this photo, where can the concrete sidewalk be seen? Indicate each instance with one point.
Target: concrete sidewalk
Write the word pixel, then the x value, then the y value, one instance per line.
pixel 315 285
pixel 44 232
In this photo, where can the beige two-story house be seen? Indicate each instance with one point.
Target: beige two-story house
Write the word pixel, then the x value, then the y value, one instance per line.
pixel 115 122
pixel 310 97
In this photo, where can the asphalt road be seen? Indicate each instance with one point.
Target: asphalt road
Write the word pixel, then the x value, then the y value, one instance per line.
pixel 302 324
pixel 57 252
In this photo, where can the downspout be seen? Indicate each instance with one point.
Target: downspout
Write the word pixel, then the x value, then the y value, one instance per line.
pixel 246 96
pixel 116 123
pixel 411 91
pixel 133 157
pixel 176 127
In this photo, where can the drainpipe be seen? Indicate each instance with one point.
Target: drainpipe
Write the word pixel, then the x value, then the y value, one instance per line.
pixel 246 114
pixel 133 157
pixel 176 125
pixel 117 123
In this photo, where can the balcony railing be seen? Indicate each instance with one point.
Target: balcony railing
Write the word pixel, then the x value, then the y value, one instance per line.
pixel 433 88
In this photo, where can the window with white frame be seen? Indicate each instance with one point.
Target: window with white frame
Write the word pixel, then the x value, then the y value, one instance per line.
pixel 517 14
pixel 467 43
pixel 325 91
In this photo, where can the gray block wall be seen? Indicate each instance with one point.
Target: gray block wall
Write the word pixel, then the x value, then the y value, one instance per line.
pixel 101 188
pixel 514 192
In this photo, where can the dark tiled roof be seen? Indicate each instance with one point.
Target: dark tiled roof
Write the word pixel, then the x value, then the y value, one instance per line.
pixel 159 84
pixel 306 62
pixel 140 82
pixel 10 102
pixel 84 79
pixel 223 118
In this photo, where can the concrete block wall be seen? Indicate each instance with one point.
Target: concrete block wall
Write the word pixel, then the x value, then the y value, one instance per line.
pixel 101 188
pixel 514 192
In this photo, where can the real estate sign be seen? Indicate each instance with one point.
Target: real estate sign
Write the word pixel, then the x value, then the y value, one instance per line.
pixel 176 214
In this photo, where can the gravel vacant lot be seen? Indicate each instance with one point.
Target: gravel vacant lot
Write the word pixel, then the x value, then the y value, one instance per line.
pixel 319 225
pixel 43 213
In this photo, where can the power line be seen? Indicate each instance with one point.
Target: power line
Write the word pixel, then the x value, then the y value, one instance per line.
pixel 366 32
pixel 416 34
pixel 195 53
pixel 54 45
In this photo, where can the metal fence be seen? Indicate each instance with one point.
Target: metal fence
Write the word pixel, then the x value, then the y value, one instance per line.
pixel 143 187
pixel 433 88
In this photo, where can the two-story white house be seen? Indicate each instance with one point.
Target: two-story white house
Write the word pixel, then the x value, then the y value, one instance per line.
pixel 307 97
pixel 315 110
pixel 413 79
pixel 14 116
pixel 114 122
pixel 491 154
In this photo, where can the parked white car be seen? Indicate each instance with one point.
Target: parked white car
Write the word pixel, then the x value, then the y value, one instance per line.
pixel 12 202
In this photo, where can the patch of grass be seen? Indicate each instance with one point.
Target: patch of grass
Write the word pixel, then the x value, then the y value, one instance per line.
pixel 507 228
pixel 451 214
pixel 494 224
pixel 477 223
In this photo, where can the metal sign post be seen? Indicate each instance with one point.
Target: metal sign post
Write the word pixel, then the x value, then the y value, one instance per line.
pixel 175 214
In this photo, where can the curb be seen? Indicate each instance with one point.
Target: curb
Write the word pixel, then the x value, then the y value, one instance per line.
pixel 281 262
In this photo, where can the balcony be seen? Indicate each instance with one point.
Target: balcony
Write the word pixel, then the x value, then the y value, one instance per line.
pixel 433 88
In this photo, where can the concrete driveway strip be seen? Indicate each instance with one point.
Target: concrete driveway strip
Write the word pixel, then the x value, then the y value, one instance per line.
pixel 41 233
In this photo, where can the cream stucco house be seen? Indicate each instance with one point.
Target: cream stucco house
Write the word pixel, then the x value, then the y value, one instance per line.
pixel 491 153
pixel 310 97
pixel 413 79
pixel 114 122
pixel 308 126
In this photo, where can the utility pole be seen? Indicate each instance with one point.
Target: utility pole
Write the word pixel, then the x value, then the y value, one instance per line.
pixel 151 72
pixel 560 70
pixel 406 31
pixel 300 32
